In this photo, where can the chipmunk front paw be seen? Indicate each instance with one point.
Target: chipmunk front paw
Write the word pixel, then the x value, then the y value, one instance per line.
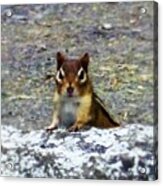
pixel 73 128
pixel 50 128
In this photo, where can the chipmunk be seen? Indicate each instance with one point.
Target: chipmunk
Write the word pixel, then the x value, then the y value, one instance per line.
pixel 75 103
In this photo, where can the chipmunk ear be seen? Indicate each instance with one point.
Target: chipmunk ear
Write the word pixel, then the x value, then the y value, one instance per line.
pixel 85 61
pixel 60 59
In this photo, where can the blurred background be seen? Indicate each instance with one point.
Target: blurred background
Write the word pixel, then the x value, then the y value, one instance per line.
pixel 118 37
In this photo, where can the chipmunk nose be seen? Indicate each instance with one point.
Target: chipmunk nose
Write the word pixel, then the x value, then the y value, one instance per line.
pixel 70 91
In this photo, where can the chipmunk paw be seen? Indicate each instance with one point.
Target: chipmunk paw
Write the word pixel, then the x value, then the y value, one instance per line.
pixel 73 128
pixel 50 128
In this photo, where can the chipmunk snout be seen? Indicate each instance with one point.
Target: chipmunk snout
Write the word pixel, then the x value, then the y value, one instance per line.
pixel 70 91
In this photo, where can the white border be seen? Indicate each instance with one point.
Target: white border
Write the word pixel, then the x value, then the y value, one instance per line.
pixel 59 1
pixel 52 182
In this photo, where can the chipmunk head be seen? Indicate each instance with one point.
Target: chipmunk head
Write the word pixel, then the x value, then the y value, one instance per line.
pixel 72 75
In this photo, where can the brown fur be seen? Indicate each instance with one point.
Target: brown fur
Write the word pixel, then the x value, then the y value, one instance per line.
pixel 90 110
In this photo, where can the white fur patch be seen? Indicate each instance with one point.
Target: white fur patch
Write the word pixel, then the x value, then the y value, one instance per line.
pixel 68 111
pixel 62 71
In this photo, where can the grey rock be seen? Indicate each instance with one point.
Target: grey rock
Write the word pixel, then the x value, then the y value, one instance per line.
pixel 124 153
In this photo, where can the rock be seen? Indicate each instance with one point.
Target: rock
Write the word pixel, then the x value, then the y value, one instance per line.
pixel 107 26
pixel 120 154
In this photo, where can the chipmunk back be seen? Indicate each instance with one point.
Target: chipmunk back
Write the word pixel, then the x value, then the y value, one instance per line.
pixel 75 103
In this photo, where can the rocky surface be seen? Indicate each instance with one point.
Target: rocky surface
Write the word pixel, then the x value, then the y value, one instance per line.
pixel 122 153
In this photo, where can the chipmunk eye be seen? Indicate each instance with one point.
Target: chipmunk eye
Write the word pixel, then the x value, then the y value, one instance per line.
pixel 60 75
pixel 82 75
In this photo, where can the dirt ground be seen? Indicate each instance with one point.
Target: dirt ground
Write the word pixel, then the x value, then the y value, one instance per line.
pixel 118 37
